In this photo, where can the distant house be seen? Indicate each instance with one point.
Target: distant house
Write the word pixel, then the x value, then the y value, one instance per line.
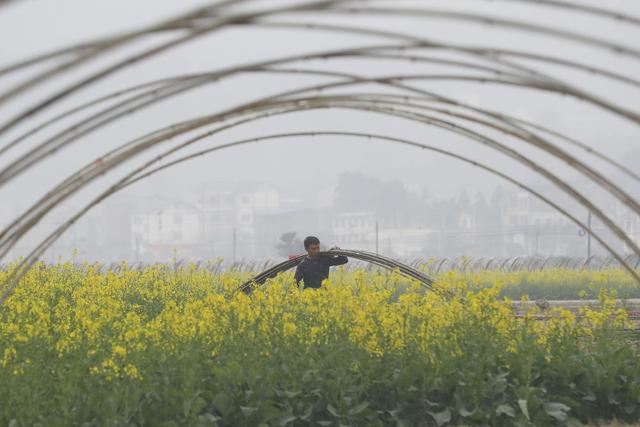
pixel 159 235
pixel 229 211
pixel 354 230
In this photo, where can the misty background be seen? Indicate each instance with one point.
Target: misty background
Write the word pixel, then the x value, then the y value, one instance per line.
pixel 258 201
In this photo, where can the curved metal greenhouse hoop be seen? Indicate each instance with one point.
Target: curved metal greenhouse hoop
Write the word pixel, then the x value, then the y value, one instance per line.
pixel 575 263
pixel 477 263
pixel 215 17
pixel 592 10
pixel 81 128
pixel 32 258
pixel 541 262
pixel 171 25
pixel 430 13
pixel 306 104
pixel 440 264
pixel 587 262
pixel 610 224
pixel 176 86
pixel 53 237
pixel 464 264
pixel 488 266
pixel 331 54
pixel 550 84
pixel 192 22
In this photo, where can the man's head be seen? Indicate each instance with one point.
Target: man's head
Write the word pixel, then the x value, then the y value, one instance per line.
pixel 312 246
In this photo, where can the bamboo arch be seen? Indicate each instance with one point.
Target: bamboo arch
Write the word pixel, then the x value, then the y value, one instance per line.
pixel 132 178
pixel 369 257
pixel 415 104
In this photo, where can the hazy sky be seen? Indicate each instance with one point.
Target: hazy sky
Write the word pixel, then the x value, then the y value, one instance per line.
pixel 310 166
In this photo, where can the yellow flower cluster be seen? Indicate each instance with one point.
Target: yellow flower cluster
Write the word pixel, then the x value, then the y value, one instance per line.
pixel 112 320
pixel 555 283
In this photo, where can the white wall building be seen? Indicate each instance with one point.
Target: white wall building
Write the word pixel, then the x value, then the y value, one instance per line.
pixel 354 230
pixel 156 235
pixel 404 242
pixel 229 217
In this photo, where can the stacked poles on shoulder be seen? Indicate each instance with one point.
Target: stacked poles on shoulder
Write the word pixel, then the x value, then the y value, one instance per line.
pixel 370 257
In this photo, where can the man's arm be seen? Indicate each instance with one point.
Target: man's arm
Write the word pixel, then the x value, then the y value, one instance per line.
pixel 338 260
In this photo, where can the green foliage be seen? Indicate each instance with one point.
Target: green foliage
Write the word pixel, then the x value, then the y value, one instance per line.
pixel 556 284
pixel 467 375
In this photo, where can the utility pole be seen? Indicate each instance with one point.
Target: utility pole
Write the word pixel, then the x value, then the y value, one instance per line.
pixel 589 235
pixel 537 240
pixel 234 245
pixel 377 239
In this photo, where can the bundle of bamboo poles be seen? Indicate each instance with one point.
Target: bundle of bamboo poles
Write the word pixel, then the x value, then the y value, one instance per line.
pixel 370 257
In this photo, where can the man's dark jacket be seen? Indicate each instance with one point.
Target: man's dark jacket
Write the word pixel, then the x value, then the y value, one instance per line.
pixel 314 271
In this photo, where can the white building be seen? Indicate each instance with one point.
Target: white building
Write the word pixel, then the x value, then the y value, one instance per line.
pixel 405 242
pixel 175 229
pixel 229 217
pixel 354 230
pixel 357 230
